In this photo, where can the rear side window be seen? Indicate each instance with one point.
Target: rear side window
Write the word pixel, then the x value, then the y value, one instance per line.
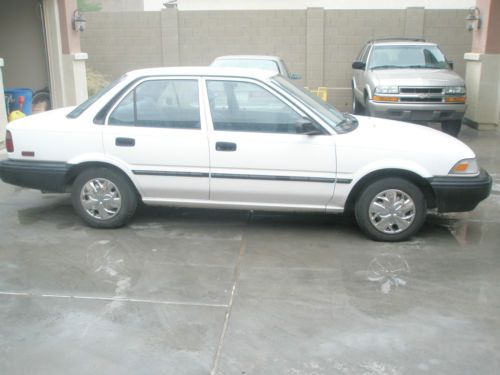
pixel 163 103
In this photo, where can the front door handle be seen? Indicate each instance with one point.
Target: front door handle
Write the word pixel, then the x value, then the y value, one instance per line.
pixel 225 146
pixel 125 142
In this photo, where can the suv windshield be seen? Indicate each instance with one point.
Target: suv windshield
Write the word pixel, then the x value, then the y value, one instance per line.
pixel 407 57
pixel 327 112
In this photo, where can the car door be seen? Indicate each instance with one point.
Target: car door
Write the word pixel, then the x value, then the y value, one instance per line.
pixel 257 158
pixel 156 129
pixel 360 74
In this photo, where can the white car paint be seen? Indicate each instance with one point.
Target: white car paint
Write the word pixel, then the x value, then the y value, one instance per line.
pixel 375 145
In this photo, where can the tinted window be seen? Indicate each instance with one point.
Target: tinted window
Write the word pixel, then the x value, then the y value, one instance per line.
pixel 244 106
pixel 160 103
pixel 83 106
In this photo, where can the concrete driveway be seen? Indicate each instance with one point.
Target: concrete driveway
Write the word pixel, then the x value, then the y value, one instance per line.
pixel 185 291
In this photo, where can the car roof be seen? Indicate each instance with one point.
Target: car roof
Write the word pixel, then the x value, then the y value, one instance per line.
pixel 202 71
pixel 248 57
pixel 403 43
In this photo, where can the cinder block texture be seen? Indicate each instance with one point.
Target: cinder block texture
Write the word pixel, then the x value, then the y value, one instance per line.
pixel 319 44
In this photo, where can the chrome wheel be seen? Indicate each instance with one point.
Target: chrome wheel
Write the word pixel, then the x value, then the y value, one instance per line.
pixel 391 211
pixel 100 198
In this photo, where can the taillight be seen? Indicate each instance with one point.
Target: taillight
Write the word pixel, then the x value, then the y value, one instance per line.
pixel 9 142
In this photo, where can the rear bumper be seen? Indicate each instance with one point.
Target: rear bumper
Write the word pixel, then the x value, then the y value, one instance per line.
pixel 46 176
pixel 459 194
pixel 418 112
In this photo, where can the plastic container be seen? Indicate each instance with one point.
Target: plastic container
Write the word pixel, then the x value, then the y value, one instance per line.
pixel 12 96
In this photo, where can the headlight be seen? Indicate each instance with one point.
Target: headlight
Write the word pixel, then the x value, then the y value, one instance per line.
pixel 454 90
pixel 465 166
pixel 386 90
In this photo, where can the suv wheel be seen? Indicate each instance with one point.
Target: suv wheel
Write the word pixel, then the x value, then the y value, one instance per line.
pixel 391 209
pixel 367 109
pixel 451 127
pixel 103 198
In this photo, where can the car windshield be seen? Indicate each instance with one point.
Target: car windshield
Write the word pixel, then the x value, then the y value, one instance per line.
pixel 87 103
pixel 407 57
pixel 328 113
pixel 261 64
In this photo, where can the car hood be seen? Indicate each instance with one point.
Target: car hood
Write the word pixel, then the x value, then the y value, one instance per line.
pixel 433 151
pixel 416 77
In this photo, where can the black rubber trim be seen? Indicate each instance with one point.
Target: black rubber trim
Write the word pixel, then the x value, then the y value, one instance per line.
pixel 459 194
pixel 168 173
pixel 243 176
pixel 279 178
pixel 41 175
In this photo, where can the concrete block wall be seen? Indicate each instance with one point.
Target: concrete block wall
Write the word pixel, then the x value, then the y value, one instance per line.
pixel 318 44
pixel 447 28
pixel 204 35
pixel 119 42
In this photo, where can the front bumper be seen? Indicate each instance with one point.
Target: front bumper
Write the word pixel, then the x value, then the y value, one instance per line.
pixel 41 175
pixel 459 194
pixel 417 112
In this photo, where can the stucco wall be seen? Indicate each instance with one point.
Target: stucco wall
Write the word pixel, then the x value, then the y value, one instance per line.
pixel 316 43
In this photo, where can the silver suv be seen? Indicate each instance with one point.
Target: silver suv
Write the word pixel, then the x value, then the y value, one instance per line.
pixel 408 80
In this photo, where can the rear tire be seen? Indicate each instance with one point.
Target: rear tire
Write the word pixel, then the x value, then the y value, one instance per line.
pixel 103 198
pixel 451 127
pixel 391 209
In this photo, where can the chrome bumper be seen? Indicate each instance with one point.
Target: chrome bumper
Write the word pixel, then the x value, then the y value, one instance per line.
pixel 417 112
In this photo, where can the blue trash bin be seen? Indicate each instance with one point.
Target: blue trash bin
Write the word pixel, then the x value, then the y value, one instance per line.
pixel 13 94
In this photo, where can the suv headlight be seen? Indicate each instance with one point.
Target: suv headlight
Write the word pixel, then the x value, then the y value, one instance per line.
pixel 386 90
pixel 454 90
pixel 465 166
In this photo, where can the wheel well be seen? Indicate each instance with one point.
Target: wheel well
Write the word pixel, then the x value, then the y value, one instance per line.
pixel 75 170
pixel 421 182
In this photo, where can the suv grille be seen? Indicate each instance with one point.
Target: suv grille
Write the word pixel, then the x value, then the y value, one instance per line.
pixel 420 100
pixel 421 90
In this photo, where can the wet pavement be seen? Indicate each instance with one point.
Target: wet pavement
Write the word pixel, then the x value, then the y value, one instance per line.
pixel 186 291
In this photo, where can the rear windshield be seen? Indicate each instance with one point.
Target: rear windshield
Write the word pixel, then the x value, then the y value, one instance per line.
pixel 269 65
pixel 87 103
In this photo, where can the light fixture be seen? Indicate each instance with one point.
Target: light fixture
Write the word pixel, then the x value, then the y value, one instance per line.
pixel 79 21
pixel 473 19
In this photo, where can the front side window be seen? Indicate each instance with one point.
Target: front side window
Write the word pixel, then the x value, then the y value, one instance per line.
pixel 248 107
pixel 163 103
pixel 407 57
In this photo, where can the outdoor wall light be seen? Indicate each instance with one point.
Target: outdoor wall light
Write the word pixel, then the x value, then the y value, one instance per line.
pixel 79 21
pixel 473 19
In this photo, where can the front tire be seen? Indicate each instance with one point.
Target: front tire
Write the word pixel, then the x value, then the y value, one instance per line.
pixel 391 209
pixel 451 127
pixel 103 198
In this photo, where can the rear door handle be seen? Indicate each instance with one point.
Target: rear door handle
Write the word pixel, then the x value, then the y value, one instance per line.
pixel 225 146
pixel 125 142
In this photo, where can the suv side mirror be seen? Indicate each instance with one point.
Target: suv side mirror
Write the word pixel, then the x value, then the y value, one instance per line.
pixel 360 65
pixel 295 76
pixel 450 64
pixel 306 127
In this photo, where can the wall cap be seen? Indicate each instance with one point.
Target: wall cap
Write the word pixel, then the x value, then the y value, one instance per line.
pixel 80 56
pixel 472 56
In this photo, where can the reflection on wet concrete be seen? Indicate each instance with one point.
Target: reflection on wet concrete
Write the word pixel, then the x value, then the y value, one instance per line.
pixel 389 271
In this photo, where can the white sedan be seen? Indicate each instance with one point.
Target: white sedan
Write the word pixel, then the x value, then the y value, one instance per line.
pixel 232 138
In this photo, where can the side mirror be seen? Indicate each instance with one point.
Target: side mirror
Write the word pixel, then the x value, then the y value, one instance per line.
pixel 450 64
pixel 295 76
pixel 306 127
pixel 360 65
